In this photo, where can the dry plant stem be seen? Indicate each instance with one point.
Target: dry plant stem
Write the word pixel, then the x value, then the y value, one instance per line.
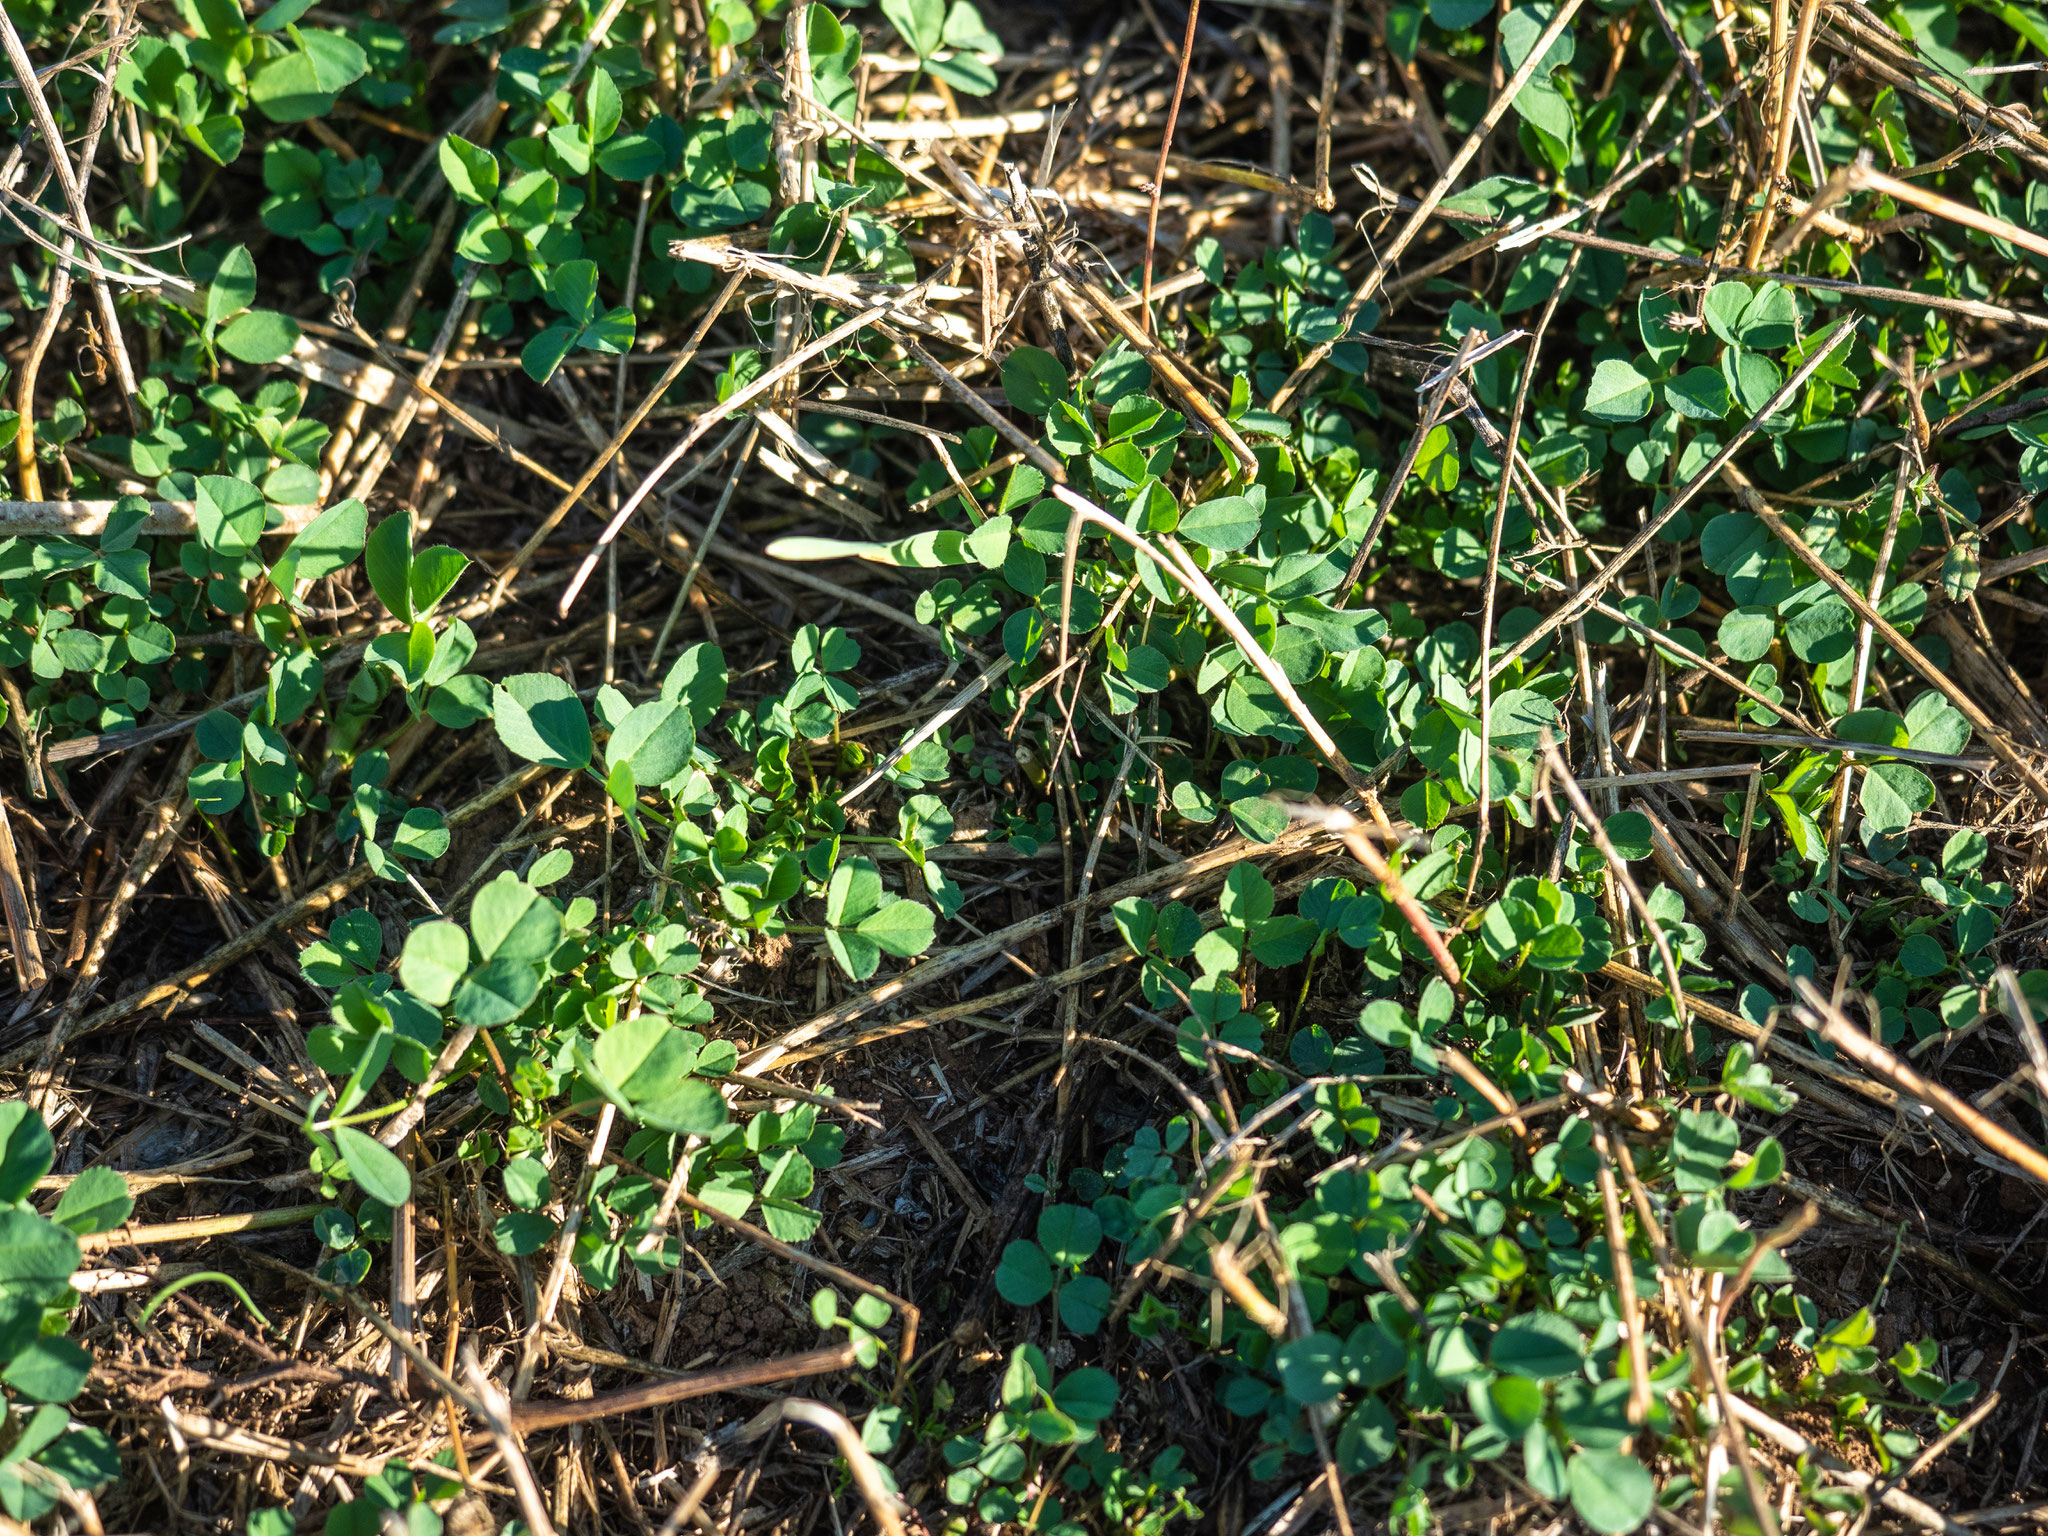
pixel 1220 170
pixel 782 571
pixel 402 1124
pixel 1783 1235
pixel 472 424
pixel 1828 1021
pixel 1897 1500
pixel 23 924
pixel 497 1419
pixel 565 1244
pixel 974 1007
pixel 1999 742
pixel 1858 20
pixel 1357 840
pixel 1179 879
pixel 198 1228
pixel 2028 1028
pixel 619 438
pixel 1279 129
pixel 1756 779
pixel 32 754
pixel 1904 474
pixel 1974 308
pixel 27 469
pixel 851 1108
pixel 1631 1303
pixel 1513 438
pixel 1618 868
pixel 1043 462
pixel 1947 208
pixel 1425 423
pixel 1682 868
pixel 1839 186
pixel 1615 1151
pixel 1180 85
pixel 990 675
pixel 1791 85
pixel 88 887
pixel 1168 368
pixel 195 1428
pixel 1238 1286
pixel 1497 529
pixel 1326 104
pixel 88 519
pixel 689 581
pixel 394 434
pixel 1177 564
pixel 1495 533
pixel 713 414
pixel 1077 931
pixel 692 1500
pixel 674 1196
pixel 622 1480
pixel 961 485
pixel 884 1507
pixel 1384 262
pixel 1963 1426
pixel 1691 657
pixel 1694 73
pixel 73 189
pixel 169 819
pixel 255 938
pixel 1576 606
pixel 1977 402
pixel 404 1287
pixel 527 1417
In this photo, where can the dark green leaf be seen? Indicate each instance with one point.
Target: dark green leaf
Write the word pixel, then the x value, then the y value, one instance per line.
pixel 1610 1491
pixel 49 1370
pixel 1024 1278
pixel 374 1167
pixel 1228 522
pixel 435 958
pixel 260 336
pixel 1540 1346
pixel 327 544
pixel 229 512
pixel 655 740
pixel 1087 1395
pixel 36 1256
pixel 96 1201
pixel 1033 380
pixel 1618 393
pixel 1370 1436
pixel 25 1150
pixel 496 993
pixel 540 719
pixel 900 928
pixel 433 572
pixel 1629 832
pixel 1700 393
pixel 387 561
pixel 1069 1234
pixel 233 288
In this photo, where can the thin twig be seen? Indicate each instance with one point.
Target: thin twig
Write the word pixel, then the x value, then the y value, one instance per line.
pixel 1180 85
pixel 1383 262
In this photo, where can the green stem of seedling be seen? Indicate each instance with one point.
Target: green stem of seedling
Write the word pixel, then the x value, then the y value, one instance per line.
pixel 1307 975
pixel 659 818
pixel 362 1115
pixel 218 1278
